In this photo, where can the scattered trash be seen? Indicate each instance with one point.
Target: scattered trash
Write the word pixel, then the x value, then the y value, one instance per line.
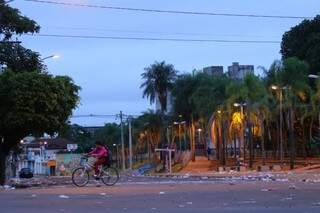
pixel 316 204
pixel 265 190
pixel 64 197
pixel 33 195
pixel 103 194
pixel 189 203
pixel 6 187
pixel 286 198
pixel 282 180
pixel 181 206
pixel 161 193
pixel 153 208
pixel 248 202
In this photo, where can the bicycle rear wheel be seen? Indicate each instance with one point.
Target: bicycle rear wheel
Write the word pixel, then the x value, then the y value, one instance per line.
pixel 80 177
pixel 109 176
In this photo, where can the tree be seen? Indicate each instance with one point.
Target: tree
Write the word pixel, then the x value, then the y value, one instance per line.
pixel 32 104
pixel 294 75
pixel 32 101
pixel 18 58
pixel 158 81
pixel 182 92
pixel 209 94
pixel 12 54
pixel 12 22
pixel 252 92
pixel 109 134
pixel 303 41
pixel 80 135
pixel 150 125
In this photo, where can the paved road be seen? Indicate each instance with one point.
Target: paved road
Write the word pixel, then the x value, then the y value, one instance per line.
pixel 167 197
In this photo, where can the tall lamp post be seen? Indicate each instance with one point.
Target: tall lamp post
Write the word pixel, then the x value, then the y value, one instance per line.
pixel 280 91
pixel 179 123
pixel 241 105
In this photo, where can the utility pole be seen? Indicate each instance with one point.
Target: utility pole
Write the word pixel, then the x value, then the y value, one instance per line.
pixel 130 142
pixel 281 121
pixel 122 143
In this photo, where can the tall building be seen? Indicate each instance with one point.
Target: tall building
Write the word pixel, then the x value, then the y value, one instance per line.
pixel 213 70
pixel 237 71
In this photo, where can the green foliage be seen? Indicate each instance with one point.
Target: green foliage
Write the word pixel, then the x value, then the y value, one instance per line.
pixel 34 103
pixel 303 41
pixel 182 92
pixel 110 134
pixel 12 22
pixel 158 81
pixel 209 94
pixel 20 59
pixel 79 135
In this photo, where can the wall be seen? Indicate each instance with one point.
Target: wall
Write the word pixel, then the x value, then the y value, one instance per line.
pixel 68 161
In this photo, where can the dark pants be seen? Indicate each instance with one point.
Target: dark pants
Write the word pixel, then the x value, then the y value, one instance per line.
pixel 99 162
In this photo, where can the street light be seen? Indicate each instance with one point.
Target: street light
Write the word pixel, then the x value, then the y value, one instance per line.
pixel 280 89
pixel 179 126
pixel 241 105
pixel 51 56
pixel 199 135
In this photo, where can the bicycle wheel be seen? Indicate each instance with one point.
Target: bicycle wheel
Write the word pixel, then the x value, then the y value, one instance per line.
pixel 80 177
pixel 109 176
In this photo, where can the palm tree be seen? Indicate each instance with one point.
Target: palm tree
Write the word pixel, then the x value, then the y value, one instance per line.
pixel 294 75
pixel 158 81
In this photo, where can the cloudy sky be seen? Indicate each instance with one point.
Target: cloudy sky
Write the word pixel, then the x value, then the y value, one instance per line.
pixel 109 70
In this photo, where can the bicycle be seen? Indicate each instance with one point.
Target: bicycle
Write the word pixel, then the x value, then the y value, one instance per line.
pixel 81 175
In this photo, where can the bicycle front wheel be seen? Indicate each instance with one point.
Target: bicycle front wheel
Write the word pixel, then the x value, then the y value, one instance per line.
pixel 109 176
pixel 80 177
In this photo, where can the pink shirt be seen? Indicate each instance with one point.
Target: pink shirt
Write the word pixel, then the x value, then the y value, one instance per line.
pixel 99 152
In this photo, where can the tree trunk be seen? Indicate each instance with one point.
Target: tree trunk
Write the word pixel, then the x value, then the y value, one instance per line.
pixel 223 134
pixel 263 144
pixel 304 139
pixel 3 157
pixel 291 137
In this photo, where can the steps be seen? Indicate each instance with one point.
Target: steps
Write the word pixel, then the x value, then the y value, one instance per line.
pixel 201 164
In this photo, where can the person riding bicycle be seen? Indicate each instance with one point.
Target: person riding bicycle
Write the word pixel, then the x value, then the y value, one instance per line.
pixel 101 154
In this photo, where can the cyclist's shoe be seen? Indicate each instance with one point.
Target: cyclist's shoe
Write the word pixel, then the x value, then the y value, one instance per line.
pixel 97 177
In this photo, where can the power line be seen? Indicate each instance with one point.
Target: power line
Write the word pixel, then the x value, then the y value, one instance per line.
pixel 169 11
pixel 92 115
pixel 155 39
pixel 155 32
pixel 102 115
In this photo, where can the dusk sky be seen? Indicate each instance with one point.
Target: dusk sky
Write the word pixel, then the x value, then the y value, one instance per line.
pixel 109 70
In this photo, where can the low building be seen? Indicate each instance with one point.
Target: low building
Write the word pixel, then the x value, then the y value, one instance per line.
pixel 40 155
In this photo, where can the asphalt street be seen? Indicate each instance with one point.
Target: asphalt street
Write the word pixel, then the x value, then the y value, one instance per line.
pixel 193 196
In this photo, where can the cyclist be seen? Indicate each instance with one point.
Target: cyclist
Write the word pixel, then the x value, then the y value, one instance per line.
pixel 101 154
